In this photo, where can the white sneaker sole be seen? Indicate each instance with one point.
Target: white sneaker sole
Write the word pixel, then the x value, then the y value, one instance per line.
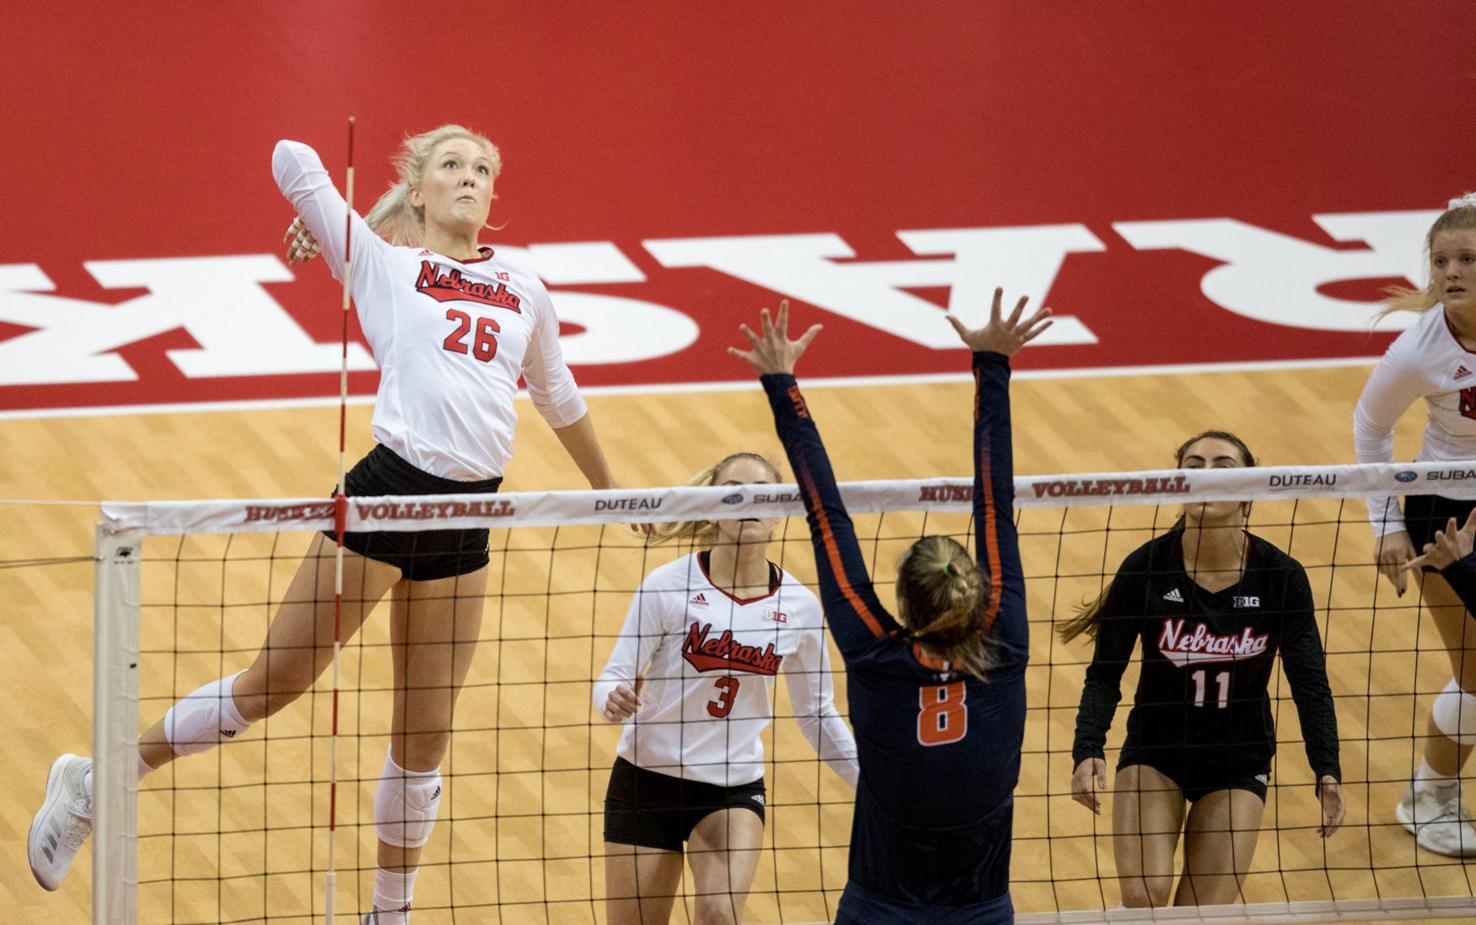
pixel 1406 819
pixel 53 793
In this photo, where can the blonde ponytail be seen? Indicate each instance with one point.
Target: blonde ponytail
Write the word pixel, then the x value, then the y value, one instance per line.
pixel 393 217
pixel 1460 216
pixel 942 596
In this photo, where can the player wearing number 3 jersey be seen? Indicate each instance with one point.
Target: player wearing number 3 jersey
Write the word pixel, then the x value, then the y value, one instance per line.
pixel 937 693
pixel 691 677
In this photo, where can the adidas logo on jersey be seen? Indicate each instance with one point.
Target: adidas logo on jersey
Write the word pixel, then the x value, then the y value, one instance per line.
pixel 1461 373
pixel 1174 596
pixel 1263 778
pixel 758 798
pixel 699 601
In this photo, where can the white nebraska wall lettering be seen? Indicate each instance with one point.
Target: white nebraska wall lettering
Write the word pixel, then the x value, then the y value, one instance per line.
pixel 804 266
pixel 616 329
pixel 1273 277
pixel 241 330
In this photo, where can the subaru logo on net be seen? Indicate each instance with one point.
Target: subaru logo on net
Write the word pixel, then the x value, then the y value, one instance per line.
pixel 734 498
pixel 1405 475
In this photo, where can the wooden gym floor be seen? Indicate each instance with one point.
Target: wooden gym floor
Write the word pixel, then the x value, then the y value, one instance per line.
pixel 528 765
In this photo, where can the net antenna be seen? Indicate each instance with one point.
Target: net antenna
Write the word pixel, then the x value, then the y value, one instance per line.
pixel 340 521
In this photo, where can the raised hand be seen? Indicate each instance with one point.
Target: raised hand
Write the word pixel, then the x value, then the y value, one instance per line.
pixel 771 350
pixel 1089 779
pixel 1004 335
pixel 1450 545
pixel 301 245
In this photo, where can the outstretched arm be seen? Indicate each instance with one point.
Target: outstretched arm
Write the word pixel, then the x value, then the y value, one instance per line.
pixel 855 614
pixel 305 183
pixel 997 545
pixel 1451 553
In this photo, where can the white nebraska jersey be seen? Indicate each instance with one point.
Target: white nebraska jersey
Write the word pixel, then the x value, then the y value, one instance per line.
pixel 1426 361
pixel 709 661
pixel 450 337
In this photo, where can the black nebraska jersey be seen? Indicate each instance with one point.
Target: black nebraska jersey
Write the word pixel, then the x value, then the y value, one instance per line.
pixel 1207 660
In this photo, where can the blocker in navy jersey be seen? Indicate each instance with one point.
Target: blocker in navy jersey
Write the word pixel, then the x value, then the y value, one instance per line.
pixel 939 749
pixel 1201 714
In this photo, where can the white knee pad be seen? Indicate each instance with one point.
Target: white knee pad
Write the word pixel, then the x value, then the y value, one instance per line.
pixel 204 718
pixel 406 804
pixel 1454 713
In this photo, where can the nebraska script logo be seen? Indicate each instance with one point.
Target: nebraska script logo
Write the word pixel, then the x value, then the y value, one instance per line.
pixel 453 287
pixel 721 653
pixel 1203 646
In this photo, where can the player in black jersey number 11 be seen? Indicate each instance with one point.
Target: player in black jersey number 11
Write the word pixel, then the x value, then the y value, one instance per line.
pixel 1211 603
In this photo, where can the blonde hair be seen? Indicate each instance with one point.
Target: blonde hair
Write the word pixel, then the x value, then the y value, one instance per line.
pixel 704 533
pixel 1461 216
pixel 942 600
pixel 1087 616
pixel 393 217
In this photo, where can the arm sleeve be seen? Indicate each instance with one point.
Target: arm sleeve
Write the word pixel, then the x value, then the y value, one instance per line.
pixel 1117 629
pixel 305 184
pixel 1306 668
pixel 640 636
pixel 855 615
pixel 1461 576
pixel 812 694
pixel 998 545
pixel 551 385
pixel 1390 391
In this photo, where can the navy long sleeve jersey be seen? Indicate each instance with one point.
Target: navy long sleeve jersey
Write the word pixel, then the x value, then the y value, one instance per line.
pixel 1461 576
pixel 939 750
pixel 1208 658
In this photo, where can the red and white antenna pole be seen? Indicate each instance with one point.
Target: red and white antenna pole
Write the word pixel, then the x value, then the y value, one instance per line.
pixel 340 521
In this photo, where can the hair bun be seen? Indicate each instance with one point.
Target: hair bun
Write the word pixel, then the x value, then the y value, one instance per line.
pixel 1461 202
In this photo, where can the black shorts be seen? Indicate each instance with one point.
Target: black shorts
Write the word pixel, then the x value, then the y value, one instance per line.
pixel 420 555
pixel 1201 776
pixel 1427 515
pixel 660 811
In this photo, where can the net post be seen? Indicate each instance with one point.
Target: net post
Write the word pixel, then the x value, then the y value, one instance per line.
pixel 115 725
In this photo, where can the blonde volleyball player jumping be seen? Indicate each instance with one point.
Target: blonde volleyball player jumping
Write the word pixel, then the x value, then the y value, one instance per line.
pixel 452 326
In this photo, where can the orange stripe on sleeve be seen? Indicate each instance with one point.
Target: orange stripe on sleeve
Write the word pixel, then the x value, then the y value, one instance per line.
pixel 989 536
pixel 832 552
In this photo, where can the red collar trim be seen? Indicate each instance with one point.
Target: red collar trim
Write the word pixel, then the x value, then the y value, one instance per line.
pixel 776 577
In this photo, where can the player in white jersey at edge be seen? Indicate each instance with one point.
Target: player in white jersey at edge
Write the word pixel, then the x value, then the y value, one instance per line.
pixel 452 327
pixel 1434 359
pixel 691 677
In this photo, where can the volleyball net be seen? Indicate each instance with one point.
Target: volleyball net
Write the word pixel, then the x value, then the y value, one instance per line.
pixel 185 592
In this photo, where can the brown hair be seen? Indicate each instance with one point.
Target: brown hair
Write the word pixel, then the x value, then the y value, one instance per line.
pixel 1461 216
pixel 703 533
pixel 1084 623
pixel 942 600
